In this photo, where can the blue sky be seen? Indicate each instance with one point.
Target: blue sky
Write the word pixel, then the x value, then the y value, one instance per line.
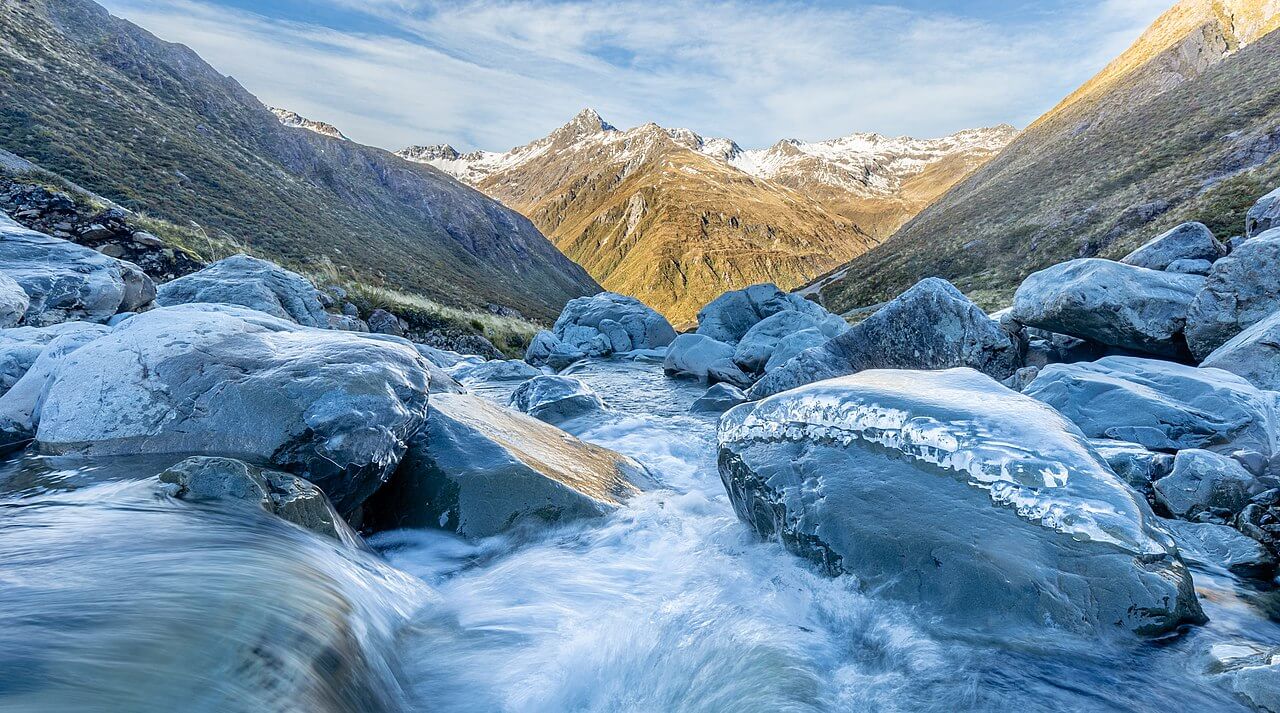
pixel 497 73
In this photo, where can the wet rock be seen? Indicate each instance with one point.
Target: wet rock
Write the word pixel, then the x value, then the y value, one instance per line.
pixel 1110 303
pixel 1137 466
pixel 1160 405
pixel 690 355
pixel 555 399
pixel 930 326
pixel 546 349
pixel 730 316
pixel 1241 290
pixel 791 345
pixel 1022 378
pixel 444 358
pixel 724 371
pixel 334 407
pixel 757 346
pixel 1264 215
pixel 600 325
pixel 21 346
pixel 1222 547
pixel 947 490
pixel 1253 354
pixel 13 302
pixel 1251 671
pixel 65 281
pixel 496 370
pixel 1189 241
pixel 1203 482
pixel 479 469
pixel 20 404
pixel 718 399
pixel 253 283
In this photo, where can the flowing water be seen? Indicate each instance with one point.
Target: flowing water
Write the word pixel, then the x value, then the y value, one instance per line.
pixel 115 598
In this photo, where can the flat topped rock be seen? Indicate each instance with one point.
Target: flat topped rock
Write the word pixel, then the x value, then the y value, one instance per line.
pixel 1189 241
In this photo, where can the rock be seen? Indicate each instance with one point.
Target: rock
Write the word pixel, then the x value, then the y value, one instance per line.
pixel 584 321
pixel 1111 303
pixel 1241 290
pixel 227 480
pixel 343 323
pixel 350 310
pixel 1137 466
pixel 555 399
pixel 1189 241
pixel 20 405
pixel 930 326
pixel 1022 378
pixel 1190 267
pixel 718 399
pixel 1045 348
pixel 1264 215
pixel 1219 546
pixel 1204 482
pixel 1250 671
pixel 13 302
pixel 759 343
pixel 496 370
pixel 21 346
pixel 336 408
pixel 791 345
pixel 65 281
pixel 249 282
pixel 1253 354
pixel 1160 405
pixel 444 358
pixel 546 349
pixel 479 469
pixel 947 490
pixel 383 322
pixel 730 316
pixel 691 354
pixel 724 371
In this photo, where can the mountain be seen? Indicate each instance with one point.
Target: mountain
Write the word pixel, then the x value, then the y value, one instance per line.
pixel 1183 125
pixel 675 218
pixel 295 120
pixel 151 125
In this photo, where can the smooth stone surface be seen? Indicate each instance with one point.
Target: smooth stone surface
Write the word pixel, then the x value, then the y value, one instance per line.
pixel 347 323
pixel 718 399
pixel 730 316
pixel 1264 215
pixel 791 345
pixel 21 346
pixel 1110 303
pixel 1190 267
pixel 1161 405
pixel 947 490
pixel 1204 482
pixel 253 283
pixel 1136 465
pixel 930 326
pixel 478 469
pixel 757 346
pixel 1241 290
pixel 1189 241
pixel 1253 354
pixel 13 302
pixel 724 371
pixel 1250 670
pixel 600 325
pixel 496 370
pixel 555 399
pixel 690 355
pixel 1219 546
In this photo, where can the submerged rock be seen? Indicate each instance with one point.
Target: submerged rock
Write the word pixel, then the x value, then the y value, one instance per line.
pixel 1241 290
pixel 1253 354
pixel 1189 241
pixel 730 316
pixel 1205 484
pixel 718 399
pixel 691 355
pixel 479 469
pixel 1111 303
pixel 945 489
pixel 930 326
pixel 253 283
pixel 555 399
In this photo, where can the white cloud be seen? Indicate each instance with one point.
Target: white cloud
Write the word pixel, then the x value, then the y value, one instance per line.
pixel 496 73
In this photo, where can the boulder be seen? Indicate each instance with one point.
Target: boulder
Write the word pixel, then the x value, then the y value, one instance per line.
pixel 791 345
pixel 1253 354
pixel 757 346
pixel 231 481
pixel 555 399
pixel 930 326
pixel 21 346
pixel 478 469
pixel 1137 466
pixel 65 282
pixel 947 490
pixel 691 354
pixel 724 371
pixel 1160 405
pixel 383 322
pixel 1189 241
pixel 1249 670
pixel 345 323
pixel 1264 215
pixel 607 323
pixel 20 404
pixel 336 408
pixel 1221 547
pixel 444 358
pixel 13 302
pixel 1191 267
pixel 1204 483
pixel 496 370
pixel 1111 303
pixel 1241 290
pixel 249 282
pixel 730 316
pixel 718 399
pixel 1260 519
pixel 546 349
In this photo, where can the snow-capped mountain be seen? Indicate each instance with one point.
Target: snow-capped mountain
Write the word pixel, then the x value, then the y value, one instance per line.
pixel 296 120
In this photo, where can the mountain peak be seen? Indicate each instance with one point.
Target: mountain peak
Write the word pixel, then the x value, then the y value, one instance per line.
pixel 585 123
pixel 297 121
pixel 425 154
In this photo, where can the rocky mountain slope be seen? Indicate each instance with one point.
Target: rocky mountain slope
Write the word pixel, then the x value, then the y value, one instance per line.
pixel 675 218
pixel 148 123
pixel 296 120
pixel 1184 123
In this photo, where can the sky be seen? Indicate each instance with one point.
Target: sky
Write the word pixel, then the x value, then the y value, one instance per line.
pixel 493 74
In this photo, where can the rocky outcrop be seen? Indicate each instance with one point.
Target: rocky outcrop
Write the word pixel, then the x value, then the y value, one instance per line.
pixel 253 283
pixel 930 326
pixel 65 281
pixel 730 316
pixel 600 325
pixel 478 470
pixel 1242 290
pixel 1253 354
pixel 1110 303
pixel 692 355
pixel 953 493
pixel 333 407
pixel 1187 242
pixel 1264 215
pixel 555 399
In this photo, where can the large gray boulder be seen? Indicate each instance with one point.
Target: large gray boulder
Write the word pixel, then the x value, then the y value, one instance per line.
pixel 718 399
pixel 21 346
pixel 947 490
pixel 336 408
pixel 555 399
pixel 249 282
pixel 1205 483
pixel 478 469
pixel 546 349
pixel 65 281
pixel 13 302
pixel 1161 405
pixel 758 345
pixel 790 346
pixel 1189 241
pixel 1242 289
pixel 1220 547
pixel 730 316
pixel 1253 354
pixel 1264 215
pixel 600 325
pixel 930 326
pixel 491 371
pixel 691 355
pixel 1110 303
